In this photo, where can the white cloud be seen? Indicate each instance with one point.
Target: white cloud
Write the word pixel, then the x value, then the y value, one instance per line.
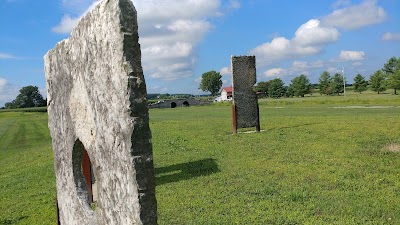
pixel 67 22
pixel 341 3
pixel 312 34
pixel 169 32
pixel 297 68
pixel 356 64
pixel 3 83
pixel 389 36
pixel 352 55
pixel 7 92
pixel 158 89
pixel 275 72
pixel 6 56
pixel 66 25
pixel 225 71
pixel 356 16
pixel 309 39
pixel 334 70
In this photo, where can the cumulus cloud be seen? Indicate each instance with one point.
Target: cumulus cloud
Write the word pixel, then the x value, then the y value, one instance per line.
pixel 352 55
pixel 8 92
pixel 275 72
pixel 169 32
pixel 356 16
pixel 389 36
pixel 225 71
pixel 3 83
pixel 356 64
pixel 297 68
pixel 66 25
pixel 309 39
pixel 68 22
pixel 341 3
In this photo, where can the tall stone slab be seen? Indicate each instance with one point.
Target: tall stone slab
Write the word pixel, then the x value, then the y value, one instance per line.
pixel 245 104
pixel 97 102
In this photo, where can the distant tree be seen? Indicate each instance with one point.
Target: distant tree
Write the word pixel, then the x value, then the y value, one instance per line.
pixel 336 84
pixel 262 87
pixel 378 81
pixel 289 91
pixel 324 83
pixel 360 84
pixel 392 70
pixel 211 81
pixel 300 86
pixel 29 96
pixel 276 88
pixel 394 81
pixel 9 105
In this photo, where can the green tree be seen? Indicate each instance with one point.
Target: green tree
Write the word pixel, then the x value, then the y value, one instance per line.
pixel 336 84
pixel 9 105
pixel 262 87
pixel 211 81
pixel 360 84
pixel 300 86
pixel 324 83
pixel 276 88
pixel 378 81
pixel 392 70
pixel 29 96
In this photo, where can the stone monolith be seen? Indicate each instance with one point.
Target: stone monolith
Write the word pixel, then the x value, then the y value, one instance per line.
pixel 96 97
pixel 245 103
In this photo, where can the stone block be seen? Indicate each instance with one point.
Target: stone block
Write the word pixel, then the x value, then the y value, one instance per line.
pixel 97 102
pixel 244 98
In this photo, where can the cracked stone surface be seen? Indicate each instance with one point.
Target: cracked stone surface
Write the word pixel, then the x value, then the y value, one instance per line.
pixel 97 101
pixel 244 98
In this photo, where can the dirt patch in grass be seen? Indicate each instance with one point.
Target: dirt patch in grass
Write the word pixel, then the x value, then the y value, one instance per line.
pixel 393 147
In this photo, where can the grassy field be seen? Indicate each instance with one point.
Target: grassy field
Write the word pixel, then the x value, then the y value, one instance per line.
pixel 319 160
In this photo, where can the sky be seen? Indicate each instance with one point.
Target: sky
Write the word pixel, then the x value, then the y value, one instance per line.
pixel 180 40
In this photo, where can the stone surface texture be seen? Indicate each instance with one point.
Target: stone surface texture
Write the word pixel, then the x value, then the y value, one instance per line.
pixel 244 98
pixel 97 101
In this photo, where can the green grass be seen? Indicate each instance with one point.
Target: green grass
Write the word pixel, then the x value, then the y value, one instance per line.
pixel 33 109
pixel 312 164
pixel 27 182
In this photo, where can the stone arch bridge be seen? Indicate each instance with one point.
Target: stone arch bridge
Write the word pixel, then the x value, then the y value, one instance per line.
pixel 173 103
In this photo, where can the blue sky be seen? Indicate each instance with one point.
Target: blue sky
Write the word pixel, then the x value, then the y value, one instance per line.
pixel 182 39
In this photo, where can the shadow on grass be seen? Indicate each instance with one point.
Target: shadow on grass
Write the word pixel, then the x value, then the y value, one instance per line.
pixel 185 171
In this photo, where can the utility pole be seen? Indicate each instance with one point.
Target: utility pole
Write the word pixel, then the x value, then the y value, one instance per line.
pixel 344 82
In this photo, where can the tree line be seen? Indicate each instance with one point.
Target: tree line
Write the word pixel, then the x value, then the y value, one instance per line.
pixel 28 97
pixel 381 80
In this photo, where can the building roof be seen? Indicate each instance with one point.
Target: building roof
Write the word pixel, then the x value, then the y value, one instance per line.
pixel 227 89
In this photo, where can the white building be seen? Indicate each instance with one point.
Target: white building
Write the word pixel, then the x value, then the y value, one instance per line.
pixel 226 94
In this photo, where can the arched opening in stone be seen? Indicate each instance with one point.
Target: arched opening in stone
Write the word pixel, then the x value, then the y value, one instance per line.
pixel 173 104
pixel 186 104
pixel 83 175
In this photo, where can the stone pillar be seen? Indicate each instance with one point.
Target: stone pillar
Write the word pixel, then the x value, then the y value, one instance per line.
pixel 96 96
pixel 245 111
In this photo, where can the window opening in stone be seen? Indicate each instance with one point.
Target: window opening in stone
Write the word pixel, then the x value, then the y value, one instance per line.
pixel 173 105
pixel 83 174
pixel 186 104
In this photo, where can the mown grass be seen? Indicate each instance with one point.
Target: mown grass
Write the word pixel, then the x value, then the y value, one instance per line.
pixel 33 109
pixel 312 164
pixel 27 183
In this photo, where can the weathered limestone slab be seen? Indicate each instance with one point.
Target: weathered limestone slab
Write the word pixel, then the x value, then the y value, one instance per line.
pixel 97 101
pixel 245 101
